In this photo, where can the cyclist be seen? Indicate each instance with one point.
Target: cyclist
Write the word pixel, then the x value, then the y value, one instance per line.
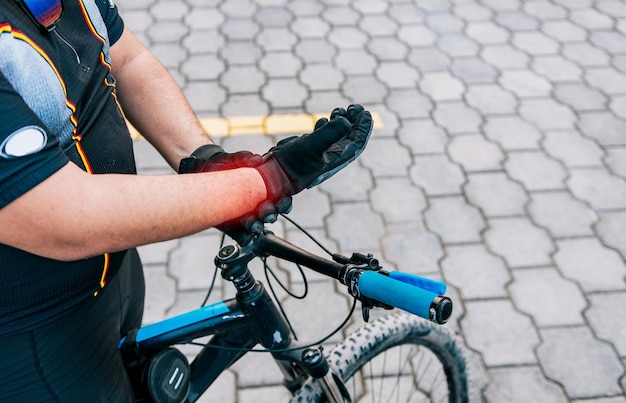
pixel 71 210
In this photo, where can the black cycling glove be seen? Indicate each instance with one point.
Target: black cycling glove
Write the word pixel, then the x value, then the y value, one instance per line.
pixel 295 163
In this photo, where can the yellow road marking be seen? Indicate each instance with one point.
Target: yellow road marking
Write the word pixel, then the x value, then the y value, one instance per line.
pixel 264 125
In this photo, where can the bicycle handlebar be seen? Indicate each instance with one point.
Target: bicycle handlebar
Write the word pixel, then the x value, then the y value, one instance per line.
pixel 417 295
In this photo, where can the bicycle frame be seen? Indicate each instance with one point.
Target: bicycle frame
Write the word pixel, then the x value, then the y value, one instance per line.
pixel 238 324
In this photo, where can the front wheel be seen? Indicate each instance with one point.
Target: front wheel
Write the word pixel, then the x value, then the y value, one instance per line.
pixel 397 358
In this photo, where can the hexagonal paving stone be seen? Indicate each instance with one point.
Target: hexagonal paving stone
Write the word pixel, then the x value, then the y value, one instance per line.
pixel 618 106
pixel 585 54
pixel 522 385
pixel 516 20
pixel 536 170
pixel 500 333
pixel 475 153
pixel 397 74
pixel 591 19
pixel 580 97
pixel 284 93
pixel 525 83
pixel 454 220
pixel 512 133
pixel 428 59
pixel 486 32
pixel 457 117
pixel 594 266
pixel 573 149
pixel 412 249
pixel 476 272
pixel 504 56
pixel 616 160
pixel 416 35
pixel 491 99
pixel 437 175
pixel 593 368
pixel 564 31
pixel 608 318
pixel 441 86
pixel 319 77
pixel 398 206
pixel 390 158
pixel 351 184
pixel 535 43
pixel 472 12
pixel 355 226
pixel 545 10
pixel 194 255
pixel 547 113
pixel 604 127
pixel 160 294
pixel 609 80
pixel 598 187
pixel 550 299
pixel 556 68
pixel 561 214
pixel 519 242
pixel 387 48
pixel 457 45
pixel 495 194
pixel 611 230
pixel 423 137
pixel 473 70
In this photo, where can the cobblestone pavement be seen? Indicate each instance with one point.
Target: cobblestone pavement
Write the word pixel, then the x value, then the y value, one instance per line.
pixel 500 167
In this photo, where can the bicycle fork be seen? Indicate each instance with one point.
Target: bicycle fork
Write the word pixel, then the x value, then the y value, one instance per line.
pixel 295 362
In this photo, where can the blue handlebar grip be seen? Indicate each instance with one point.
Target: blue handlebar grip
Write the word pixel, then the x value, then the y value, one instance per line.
pixel 438 287
pixel 396 293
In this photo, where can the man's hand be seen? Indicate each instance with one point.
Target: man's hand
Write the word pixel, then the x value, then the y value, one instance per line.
pixel 295 163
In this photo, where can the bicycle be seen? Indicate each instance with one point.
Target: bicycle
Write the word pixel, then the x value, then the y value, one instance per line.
pixel 161 373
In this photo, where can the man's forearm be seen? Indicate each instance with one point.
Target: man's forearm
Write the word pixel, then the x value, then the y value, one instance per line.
pixel 116 212
pixel 153 102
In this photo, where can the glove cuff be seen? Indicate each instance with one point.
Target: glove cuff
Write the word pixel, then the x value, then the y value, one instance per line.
pixel 277 183
pixel 202 153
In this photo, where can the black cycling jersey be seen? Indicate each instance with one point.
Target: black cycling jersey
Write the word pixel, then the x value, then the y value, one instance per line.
pixel 58 105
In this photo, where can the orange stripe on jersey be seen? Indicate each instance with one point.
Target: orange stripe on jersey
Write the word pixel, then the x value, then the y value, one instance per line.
pixel 105 270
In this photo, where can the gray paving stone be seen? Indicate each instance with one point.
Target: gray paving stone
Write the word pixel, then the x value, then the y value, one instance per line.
pixel 611 230
pixel 561 214
pixel 475 153
pixel 478 273
pixel 437 175
pixel 510 338
pixel 202 67
pixel 547 113
pixel 504 56
pixel 422 136
pixel 241 52
pixel 564 31
pixel 444 23
pixel 616 160
pixel 535 43
pixel 351 184
pixel 591 19
pixel 585 54
pixel 166 31
pixel 239 29
pixel 556 68
pixel 284 93
pixel 355 61
pixel 512 133
pixel 618 106
pixel 457 45
pixel 204 97
pixel 519 242
pixel 364 89
pixel 593 367
pixel 473 70
pixel 580 97
pixel 405 13
pixel 544 10
pixel 196 42
pixel 525 83
pixel 169 10
pixel 613 8
pixel 347 38
pixel 428 59
pixel 273 17
pixel 441 86
pixel 314 50
pixel 354 226
pixel 387 48
pixel 280 64
pixel 487 32
pixel 536 170
pixel 454 220
pixel 319 77
pixel 502 5
pixel 608 318
pixel 594 266
pixel 238 8
pixel 242 79
pixel 471 11
pixel 550 299
pixel 495 194
pixel 456 117
pixel 255 144
pixel 390 158
pixel 156 253
pixel 248 104
pixel 171 55
pixel 309 211
pixel 604 127
pixel 491 99
pixel 160 293
pixel 340 15
pixel 398 206
pixel 572 149
pixel 416 35
pixel 201 18
pixel 409 104
pixel 310 27
pixel 599 188
pixel 611 41
pixel 609 80
pixel 377 24
pixel 276 38
pixel 262 394
pixel 193 256
pixel 412 248
pixel 522 385
pixel 516 20
pixel 397 74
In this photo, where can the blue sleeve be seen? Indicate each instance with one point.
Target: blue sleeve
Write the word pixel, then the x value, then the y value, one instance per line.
pixel 21 171
pixel 112 19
